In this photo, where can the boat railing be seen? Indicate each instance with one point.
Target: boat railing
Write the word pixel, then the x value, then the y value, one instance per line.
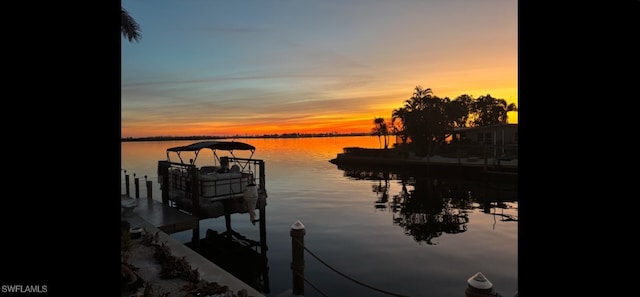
pixel 209 195
pixel 254 166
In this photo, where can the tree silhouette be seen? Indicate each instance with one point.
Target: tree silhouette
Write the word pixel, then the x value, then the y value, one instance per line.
pixel 490 111
pixel 129 27
pixel 398 124
pixel 426 121
pixel 419 92
pixel 459 110
pixel 381 129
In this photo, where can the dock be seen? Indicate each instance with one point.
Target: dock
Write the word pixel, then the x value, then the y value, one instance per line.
pixel 167 219
pixel 191 193
pixel 182 209
pixel 436 166
pixel 154 217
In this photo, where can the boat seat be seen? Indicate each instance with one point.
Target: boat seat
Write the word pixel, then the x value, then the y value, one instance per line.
pixel 208 169
pixel 235 168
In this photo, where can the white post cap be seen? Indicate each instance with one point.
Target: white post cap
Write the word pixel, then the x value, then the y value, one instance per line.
pixel 297 225
pixel 478 281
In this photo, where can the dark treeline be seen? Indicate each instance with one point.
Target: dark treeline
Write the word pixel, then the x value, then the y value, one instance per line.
pixel 285 135
pixel 425 121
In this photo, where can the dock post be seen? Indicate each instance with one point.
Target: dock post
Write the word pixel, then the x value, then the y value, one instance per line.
pixel 297 256
pixel 263 175
pixel 195 200
pixel 479 286
pixel 137 185
pixel 262 203
pixel 126 183
pixel 163 171
pixel 149 189
pixel 227 223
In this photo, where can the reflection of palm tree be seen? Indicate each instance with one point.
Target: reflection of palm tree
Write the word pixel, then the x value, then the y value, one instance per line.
pixel 399 200
pixel 426 208
pixel 382 191
pixel 426 214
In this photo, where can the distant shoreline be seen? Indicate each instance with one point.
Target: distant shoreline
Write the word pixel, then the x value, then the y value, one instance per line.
pixel 290 135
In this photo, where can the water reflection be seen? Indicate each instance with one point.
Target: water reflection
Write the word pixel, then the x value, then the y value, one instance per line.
pixel 427 207
pixel 236 254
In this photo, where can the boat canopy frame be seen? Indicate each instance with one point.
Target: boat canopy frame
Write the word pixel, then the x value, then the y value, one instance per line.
pixel 214 146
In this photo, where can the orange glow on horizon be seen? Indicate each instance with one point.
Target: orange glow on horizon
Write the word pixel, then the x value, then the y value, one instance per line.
pixel 357 125
pixel 375 105
pixel 352 126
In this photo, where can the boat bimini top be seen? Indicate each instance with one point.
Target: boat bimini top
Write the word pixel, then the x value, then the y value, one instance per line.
pixel 214 146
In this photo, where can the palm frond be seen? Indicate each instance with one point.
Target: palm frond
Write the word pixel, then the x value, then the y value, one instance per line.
pixel 130 28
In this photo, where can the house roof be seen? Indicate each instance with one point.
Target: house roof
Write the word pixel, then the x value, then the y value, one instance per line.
pixel 489 127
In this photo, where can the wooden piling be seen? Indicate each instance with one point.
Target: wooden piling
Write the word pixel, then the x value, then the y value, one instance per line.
pixel 195 200
pixel 163 170
pixel 297 256
pixel 136 182
pixel 262 203
pixel 126 183
pixel 149 190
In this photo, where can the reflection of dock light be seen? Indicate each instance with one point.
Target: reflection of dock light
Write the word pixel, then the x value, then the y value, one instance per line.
pixel 250 196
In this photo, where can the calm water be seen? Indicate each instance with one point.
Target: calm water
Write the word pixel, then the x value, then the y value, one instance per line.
pixel 398 232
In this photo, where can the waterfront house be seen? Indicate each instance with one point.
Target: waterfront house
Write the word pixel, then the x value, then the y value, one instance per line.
pixel 502 139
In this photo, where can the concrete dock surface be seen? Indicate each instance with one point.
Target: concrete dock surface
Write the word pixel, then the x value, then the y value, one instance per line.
pixel 208 270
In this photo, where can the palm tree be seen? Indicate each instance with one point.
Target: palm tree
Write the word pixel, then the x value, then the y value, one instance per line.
pixel 129 27
pixel 398 123
pixel 381 129
pixel 419 92
pixel 459 109
pixel 490 111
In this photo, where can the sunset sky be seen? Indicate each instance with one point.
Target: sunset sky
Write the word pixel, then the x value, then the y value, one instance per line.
pixel 242 67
